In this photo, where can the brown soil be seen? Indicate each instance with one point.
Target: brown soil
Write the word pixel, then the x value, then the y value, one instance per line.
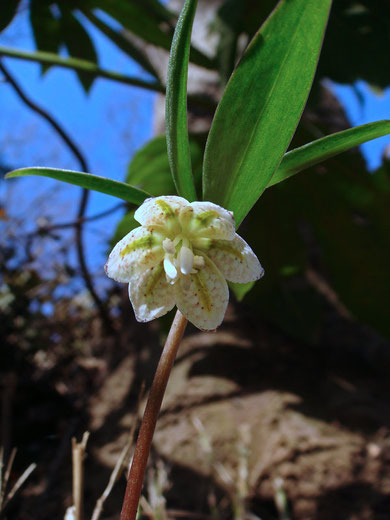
pixel 245 406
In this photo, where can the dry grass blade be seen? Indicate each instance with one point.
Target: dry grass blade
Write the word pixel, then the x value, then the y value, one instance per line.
pixel 122 462
pixel 127 459
pixel 19 483
pixel 5 477
pixel 113 478
pixel 1 472
pixel 146 508
pixel 78 455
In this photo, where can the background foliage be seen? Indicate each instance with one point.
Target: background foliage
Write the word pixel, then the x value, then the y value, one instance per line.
pixel 322 236
pixel 358 200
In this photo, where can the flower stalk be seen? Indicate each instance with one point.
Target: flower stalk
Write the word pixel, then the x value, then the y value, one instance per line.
pixel 148 425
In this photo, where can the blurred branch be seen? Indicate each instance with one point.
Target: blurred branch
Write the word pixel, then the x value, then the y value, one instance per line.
pixel 73 223
pixel 50 58
pixel 85 194
pixel 52 122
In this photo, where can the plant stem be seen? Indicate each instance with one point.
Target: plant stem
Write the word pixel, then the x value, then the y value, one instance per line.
pixel 145 436
pixel 50 58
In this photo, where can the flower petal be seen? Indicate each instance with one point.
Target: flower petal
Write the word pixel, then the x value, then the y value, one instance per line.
pixel 203 297
pixel 159 210
pixel 150 294
pixel 235 259
pixel 137 251
pixel 206 219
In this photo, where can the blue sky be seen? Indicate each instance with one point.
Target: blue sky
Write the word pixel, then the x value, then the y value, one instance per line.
pixel 363 105
pixel 109 124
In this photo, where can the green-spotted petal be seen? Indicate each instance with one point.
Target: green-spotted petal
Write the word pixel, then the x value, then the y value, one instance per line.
pixel 150 294
pixel 235 259
pixel 203 300
pixel 137 251
pixel 206 219
pixel 160 210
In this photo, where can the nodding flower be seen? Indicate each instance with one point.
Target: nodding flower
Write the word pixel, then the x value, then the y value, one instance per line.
pixel 182 254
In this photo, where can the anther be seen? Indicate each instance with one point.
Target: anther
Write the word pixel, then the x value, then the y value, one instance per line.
pixel 198 262
pixel 169 267
pixel 186 260
pixel 168 246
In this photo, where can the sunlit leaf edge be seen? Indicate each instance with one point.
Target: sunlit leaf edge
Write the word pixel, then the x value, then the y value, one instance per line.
pixel 176 104
pixel 317 151
pixel 117 189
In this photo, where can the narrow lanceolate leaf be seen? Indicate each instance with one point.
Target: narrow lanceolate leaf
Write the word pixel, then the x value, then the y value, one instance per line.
pixel 176 104
pixel 117 189
pixel 78 44
pixel 133 16
pixel 262 105
pixel 327 147
pixel 46 29
pixel 122 41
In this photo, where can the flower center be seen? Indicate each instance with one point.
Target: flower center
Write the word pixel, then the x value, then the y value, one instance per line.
pixel 179 260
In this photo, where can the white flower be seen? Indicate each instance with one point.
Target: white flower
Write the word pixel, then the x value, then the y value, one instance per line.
pixel 181 255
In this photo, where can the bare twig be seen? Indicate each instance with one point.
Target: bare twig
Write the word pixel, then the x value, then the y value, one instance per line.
pixel 84 196
pixel 73 223
pixel 39 110
pixel 145 436
pixel 78 455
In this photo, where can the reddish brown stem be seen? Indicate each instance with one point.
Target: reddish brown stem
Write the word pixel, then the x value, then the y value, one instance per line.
pixel 145 436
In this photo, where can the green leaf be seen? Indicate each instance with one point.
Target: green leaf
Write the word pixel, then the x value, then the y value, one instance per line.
pixel 176 104
pixel 140 19
pixel 149 168
pixel 126 224
pixel 335 224
pixel 117 189
pixel 136 19
pixel 262 105
pixel 8 10
pixel 121 41
pixel 241 289
pixel 229 25
pixel 78 44
pixel 358 32
pixel 46 29
pixel 326 147
pixel 158 10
